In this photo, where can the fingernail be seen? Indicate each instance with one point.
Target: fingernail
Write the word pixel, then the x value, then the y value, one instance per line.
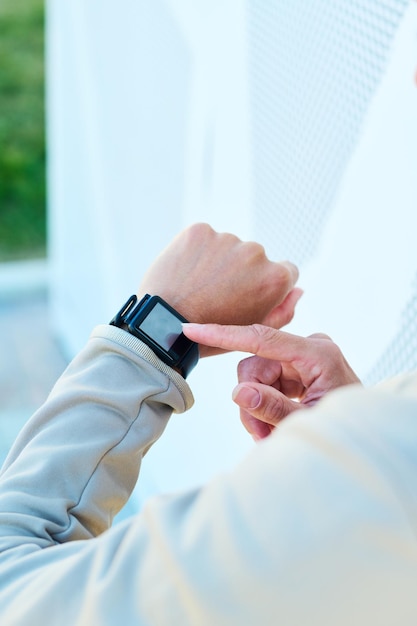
pixel 246 397
pixel 299 293
pixel 190 326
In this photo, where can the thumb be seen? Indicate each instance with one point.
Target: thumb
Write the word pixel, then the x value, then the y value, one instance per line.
pixel 264 402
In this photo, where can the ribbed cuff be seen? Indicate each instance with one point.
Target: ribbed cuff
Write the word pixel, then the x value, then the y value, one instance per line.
pixel 113 333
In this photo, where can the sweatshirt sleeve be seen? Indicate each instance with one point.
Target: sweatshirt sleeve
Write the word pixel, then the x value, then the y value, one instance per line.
pixel 75 463
pixel 317 526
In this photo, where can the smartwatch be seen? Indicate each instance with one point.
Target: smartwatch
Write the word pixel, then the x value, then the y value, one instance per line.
pixel 156 323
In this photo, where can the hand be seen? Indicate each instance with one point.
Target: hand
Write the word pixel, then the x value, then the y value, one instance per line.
pixel 214 277
pixel 288 372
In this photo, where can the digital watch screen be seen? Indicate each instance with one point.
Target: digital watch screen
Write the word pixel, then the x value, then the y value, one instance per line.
pixel 158 325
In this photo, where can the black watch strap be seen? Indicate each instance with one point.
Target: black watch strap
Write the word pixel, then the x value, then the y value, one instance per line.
pixel 156 323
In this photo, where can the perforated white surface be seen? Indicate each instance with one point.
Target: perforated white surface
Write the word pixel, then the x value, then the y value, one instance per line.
pixel 401 353
pixel 314 66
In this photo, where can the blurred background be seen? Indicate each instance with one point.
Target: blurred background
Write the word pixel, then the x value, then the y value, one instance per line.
pixel 30 359
pixel 22 130
pixel 294 124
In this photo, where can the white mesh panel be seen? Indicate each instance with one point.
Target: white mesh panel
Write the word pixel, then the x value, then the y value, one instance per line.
pixel 314 66
pixel 401 354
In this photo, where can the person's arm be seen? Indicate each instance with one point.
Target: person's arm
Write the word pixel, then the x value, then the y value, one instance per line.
pixel 315 526
pixel 206 276
pixel 75 463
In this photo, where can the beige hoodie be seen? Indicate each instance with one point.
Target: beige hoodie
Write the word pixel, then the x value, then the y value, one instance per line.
pixel 317 526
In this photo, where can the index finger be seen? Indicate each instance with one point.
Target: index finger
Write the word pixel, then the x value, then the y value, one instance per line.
pixel 256 339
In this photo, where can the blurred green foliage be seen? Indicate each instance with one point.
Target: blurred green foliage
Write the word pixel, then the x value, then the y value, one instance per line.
pixel 22 130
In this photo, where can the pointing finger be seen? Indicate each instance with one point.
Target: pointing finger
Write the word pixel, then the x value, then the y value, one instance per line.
pixel 256 339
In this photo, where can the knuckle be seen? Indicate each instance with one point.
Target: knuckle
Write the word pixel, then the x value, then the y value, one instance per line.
pixel 273 409
pixel 327 348
pixel 332 349
pixel 320 336
pixel 288 275
pixel 200 230
pixel 255 249
pixel 263 334
pixel 287 279
pixel 337 353
pixel 231 239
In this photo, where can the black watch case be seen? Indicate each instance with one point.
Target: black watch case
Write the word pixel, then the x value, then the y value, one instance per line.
pixel 158 325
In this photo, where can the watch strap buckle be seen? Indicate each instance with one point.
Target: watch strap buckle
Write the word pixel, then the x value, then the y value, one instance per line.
pixel 129 310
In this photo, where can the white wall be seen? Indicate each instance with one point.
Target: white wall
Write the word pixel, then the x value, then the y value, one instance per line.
pixel 156 115
pixel 363 274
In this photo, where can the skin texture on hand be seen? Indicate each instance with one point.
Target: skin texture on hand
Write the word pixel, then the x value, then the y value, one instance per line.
pixel 212 277
pixel 286 374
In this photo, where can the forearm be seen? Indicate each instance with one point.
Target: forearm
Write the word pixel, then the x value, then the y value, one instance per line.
pixel 76 462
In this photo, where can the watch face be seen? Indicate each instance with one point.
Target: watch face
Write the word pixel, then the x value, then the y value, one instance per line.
pixel 161 326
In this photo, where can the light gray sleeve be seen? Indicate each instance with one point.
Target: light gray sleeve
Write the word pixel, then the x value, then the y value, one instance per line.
pixel 75 463
pixel 317 526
